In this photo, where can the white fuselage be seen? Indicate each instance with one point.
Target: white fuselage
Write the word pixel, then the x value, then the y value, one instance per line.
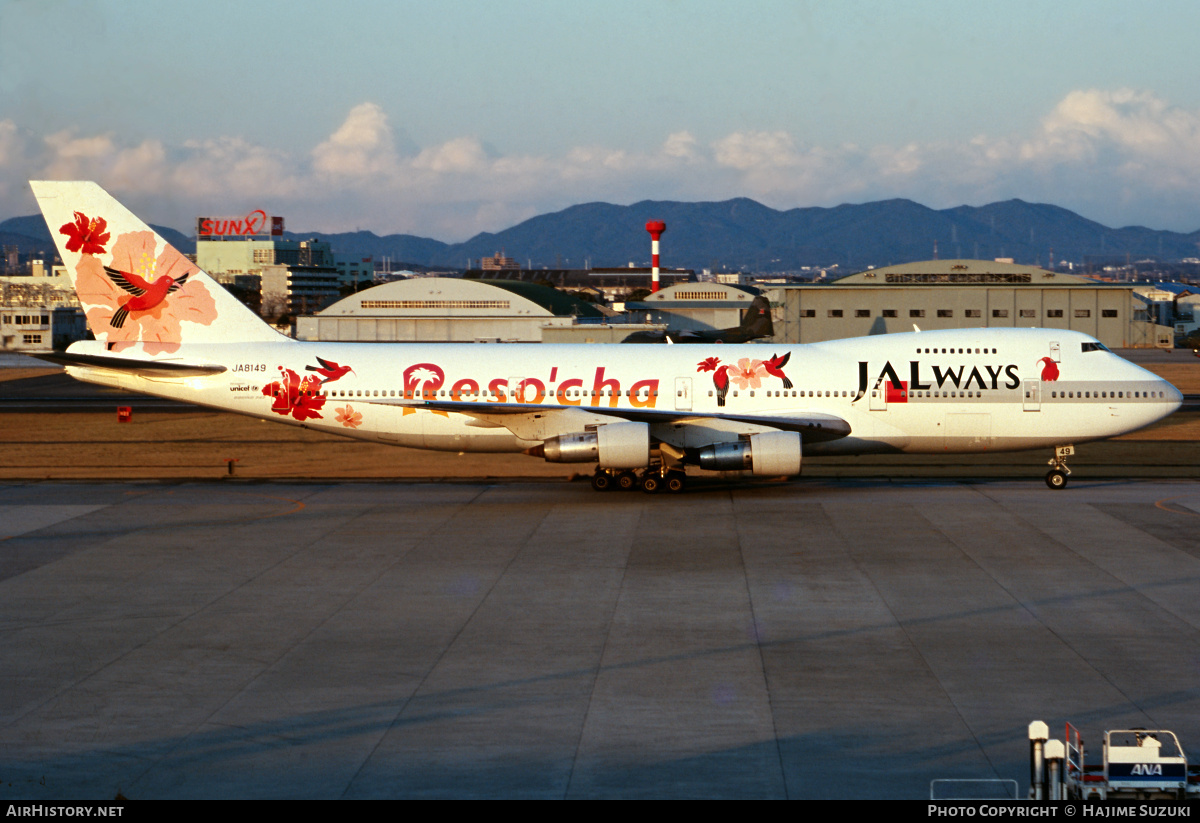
pixel 968 390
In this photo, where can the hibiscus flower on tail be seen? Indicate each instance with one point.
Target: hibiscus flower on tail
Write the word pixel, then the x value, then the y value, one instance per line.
pixel 86 235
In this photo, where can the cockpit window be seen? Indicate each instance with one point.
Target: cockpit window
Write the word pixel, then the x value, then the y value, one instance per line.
pixel 1097 346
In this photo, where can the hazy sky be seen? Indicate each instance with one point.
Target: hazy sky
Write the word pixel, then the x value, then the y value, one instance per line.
pixel 448 118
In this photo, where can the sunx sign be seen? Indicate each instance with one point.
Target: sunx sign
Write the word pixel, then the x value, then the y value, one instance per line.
pixel 255 223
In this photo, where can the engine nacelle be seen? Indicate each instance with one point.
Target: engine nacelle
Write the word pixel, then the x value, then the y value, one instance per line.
pixel 770 453
pixel 614 446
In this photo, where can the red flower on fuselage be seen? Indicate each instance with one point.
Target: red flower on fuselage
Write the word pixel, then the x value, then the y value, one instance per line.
pixel 720 376
pixel 301 398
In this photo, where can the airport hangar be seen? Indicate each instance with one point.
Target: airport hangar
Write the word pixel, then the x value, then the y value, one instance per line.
pixel 696 306
pixel 451 310
pixel 953 294
pixel 933 294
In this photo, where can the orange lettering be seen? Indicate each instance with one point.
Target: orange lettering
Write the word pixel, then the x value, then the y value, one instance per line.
pixel 465 386
pixel 562 389
pixel 600 384
pixel 496 387
pixel 651 387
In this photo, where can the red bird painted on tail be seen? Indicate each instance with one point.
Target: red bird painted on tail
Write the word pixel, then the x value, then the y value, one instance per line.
pixel 775 365
pixel 329 370
pixel 1049 371
pixel 146 294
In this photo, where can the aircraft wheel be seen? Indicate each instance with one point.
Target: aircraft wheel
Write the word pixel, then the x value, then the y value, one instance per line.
pixel 627 481
pixel 676 482
pixel 602 481
pixel 651 483
pixel 1056 479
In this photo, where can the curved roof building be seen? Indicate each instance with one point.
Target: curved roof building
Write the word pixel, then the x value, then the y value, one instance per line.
pixel 697 306
pixel 445 310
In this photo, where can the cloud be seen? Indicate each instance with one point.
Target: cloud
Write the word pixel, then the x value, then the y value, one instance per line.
pixel 361 148
pixel 681 144
pixel 73 157
pixel 754 150
pixel 233 166
pixel 463 155
pixel 1142 134
pixel 1118 156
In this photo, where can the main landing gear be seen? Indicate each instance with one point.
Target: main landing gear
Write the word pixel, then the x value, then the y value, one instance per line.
pixel 1056 478
pixel 651 480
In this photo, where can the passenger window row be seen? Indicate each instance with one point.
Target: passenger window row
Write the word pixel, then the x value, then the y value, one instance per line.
pixel 1110 395
pixel 953 350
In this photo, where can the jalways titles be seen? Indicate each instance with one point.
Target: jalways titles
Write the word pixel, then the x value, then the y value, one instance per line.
pixel 938 377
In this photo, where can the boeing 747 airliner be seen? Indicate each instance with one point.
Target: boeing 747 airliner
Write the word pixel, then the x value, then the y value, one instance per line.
pixel 642 414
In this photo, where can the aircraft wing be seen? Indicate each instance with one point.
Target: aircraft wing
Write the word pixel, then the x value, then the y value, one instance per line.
pixel 813 426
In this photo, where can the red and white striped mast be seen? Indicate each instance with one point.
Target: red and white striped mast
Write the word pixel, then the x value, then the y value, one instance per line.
pixel 656 228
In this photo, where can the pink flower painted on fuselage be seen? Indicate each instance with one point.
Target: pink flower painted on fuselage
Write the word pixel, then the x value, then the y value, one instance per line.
pixel 747 374
pixel 158 327
pixel 88 235
pixel 348 417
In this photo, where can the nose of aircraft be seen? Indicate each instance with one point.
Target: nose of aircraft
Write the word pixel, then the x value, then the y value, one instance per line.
pixel 1172 396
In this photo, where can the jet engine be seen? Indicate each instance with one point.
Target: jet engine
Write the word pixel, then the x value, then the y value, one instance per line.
pixel 614 445
pixel 770 453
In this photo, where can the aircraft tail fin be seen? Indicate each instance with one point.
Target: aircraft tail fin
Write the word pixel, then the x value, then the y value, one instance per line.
pixel 134 287
pixel 757 320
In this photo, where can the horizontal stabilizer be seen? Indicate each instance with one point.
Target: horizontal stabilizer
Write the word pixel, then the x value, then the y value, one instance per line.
pixel 150 368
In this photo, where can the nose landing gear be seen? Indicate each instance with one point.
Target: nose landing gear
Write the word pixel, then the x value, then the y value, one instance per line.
pixel 1056 478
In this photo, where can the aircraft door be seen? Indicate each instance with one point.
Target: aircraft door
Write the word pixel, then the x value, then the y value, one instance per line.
pixel 683 394
pixel 879 396
pixel 1032 391
pixel 1055 353
pixel 519 390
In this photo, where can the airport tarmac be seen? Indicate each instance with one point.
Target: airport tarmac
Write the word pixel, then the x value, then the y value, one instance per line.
pixel 817 638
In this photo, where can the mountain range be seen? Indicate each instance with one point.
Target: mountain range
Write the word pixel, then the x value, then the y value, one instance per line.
pixel 742 234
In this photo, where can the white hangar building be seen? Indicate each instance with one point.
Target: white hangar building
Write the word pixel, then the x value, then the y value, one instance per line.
pixel 693 306
pixel 446 310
